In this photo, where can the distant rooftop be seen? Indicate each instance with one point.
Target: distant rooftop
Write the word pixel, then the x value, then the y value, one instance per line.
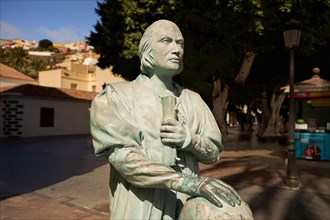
pixel 42 91
pixel 9 72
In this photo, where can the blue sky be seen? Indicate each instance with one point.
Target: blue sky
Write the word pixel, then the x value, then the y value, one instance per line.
pixel 61 21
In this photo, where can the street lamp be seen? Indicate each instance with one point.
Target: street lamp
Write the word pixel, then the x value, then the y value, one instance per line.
pixel 291 34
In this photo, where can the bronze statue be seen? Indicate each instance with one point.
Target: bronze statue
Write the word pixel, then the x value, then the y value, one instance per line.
pixel 154 132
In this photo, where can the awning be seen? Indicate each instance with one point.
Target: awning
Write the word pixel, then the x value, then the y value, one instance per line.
pixel 315 87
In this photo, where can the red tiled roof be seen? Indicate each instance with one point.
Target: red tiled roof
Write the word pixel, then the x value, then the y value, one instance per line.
pixel 42 91
pixel 9 72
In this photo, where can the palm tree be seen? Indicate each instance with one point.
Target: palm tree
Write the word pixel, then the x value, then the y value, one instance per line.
pixel 16 58
pixel 36 66
pixel 3 56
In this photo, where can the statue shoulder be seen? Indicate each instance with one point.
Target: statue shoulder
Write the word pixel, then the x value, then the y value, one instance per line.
pixel 185 92
pixel 118 89
pixel 118 85
pixel 140 83
pixel 191 94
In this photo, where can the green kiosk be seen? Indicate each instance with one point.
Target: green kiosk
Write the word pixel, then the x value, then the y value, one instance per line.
pixel 312 128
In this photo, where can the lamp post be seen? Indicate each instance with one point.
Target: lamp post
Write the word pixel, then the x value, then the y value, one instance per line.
pixel 291 34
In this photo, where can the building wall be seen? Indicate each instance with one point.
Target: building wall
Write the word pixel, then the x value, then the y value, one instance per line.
pixel 87 78
pixel 20 116
pixel 80 68
pixel 51 78
pixel 105 76
pixel 81 84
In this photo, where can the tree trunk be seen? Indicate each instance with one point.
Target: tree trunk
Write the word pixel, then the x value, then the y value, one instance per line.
pixel 220 93
pixel 249 119
pixel 265 114
pixel 220 104
pixel 245 67
pixel 272 124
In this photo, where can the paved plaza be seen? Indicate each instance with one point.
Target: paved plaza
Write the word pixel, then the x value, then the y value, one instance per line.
pixel 60 178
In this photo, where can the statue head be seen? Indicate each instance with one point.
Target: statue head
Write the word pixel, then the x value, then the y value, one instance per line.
pixel 162 38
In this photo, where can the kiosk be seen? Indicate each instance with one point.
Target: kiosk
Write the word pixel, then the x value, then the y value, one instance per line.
pixel 312 128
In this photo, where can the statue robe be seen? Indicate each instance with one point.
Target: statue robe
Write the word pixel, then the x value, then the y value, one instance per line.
pixel 125 126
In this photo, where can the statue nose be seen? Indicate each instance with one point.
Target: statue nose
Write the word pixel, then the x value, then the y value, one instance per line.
pixel 175 48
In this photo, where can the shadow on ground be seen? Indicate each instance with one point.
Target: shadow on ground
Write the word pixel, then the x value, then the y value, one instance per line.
pixel 29 164
pixel 257 169
pixel 63 168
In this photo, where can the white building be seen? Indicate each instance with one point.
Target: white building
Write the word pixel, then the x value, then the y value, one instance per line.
pixel 32 110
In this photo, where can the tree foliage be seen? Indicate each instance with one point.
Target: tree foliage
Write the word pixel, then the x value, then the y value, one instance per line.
pixel 218 35
pixel 45 44
pixel 19 59
pixel 15 57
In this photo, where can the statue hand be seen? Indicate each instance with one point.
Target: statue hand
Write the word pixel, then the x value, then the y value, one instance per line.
pixel 216 191
pixel 173 132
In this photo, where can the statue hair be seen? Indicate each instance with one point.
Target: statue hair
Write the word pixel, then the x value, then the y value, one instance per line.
pixel 144 52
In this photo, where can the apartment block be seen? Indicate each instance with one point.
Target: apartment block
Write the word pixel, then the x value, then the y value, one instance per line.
pixel 77 76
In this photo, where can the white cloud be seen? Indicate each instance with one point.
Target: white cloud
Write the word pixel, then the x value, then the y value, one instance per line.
pixel 62 34
pixel 9 31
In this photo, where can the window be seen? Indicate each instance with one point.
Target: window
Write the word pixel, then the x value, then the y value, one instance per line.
pixel 46 117
pixel 93 88
pixel 73 86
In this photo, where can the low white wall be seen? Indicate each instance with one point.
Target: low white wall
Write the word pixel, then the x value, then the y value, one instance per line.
pixel 70 116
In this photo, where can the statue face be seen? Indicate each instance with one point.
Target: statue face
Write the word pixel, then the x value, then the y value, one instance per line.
pixel 167 49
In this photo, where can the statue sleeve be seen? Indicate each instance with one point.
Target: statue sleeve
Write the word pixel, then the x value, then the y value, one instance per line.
pixel 112 124
pixel 205 137
pixel 142 172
